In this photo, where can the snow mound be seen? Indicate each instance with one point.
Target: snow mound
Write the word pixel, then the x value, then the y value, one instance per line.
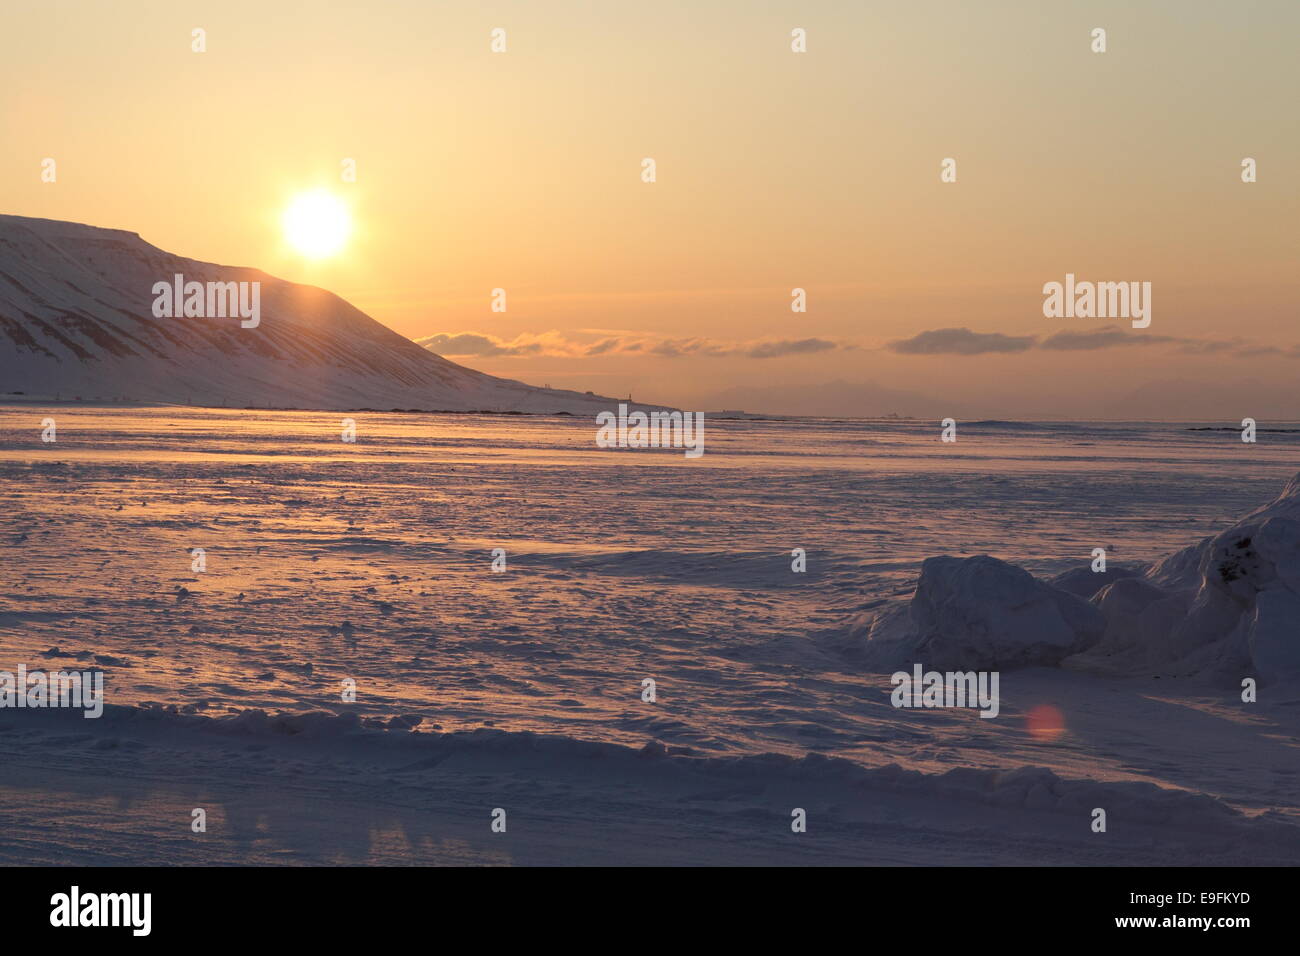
pixel 1084 582
pixel 1225 607
pixel 980 614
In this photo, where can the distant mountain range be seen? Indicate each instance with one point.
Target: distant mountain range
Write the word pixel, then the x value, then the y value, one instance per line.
pixel 77 321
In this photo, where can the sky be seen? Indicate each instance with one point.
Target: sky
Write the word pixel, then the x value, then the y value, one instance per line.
pixel 774 170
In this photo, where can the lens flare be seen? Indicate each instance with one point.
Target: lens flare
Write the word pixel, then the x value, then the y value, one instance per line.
pixel 1045 723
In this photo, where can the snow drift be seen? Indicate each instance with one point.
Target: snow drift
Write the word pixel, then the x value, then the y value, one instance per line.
pixel 1227 607
pixel 342 736
pixel 77 322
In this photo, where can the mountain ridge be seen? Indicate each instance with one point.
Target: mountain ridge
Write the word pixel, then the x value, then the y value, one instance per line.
pixel 76 319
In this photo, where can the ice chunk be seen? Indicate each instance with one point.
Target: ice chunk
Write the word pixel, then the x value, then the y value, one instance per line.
pixel 1227 607
pixel 983 614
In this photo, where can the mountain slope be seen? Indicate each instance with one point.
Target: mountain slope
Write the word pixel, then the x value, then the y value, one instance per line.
pixel 76 320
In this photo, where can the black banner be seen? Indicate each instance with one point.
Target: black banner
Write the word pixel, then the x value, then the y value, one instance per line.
pixel 337 905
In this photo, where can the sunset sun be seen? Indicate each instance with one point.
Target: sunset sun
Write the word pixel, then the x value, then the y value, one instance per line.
pixel 317 224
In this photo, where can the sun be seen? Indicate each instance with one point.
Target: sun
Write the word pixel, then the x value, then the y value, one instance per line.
pixel 317 224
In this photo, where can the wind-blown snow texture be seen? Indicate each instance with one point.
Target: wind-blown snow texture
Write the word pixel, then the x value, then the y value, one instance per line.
pixel 76 321
pixel 522 690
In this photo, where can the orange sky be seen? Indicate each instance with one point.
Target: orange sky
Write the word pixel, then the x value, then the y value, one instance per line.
pixel 776 170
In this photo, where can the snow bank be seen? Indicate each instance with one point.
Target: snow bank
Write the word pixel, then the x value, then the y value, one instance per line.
pixel 980 614
pixel 331 743
pixel 1225 607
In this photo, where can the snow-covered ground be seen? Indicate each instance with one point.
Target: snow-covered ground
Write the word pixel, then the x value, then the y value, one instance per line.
pixel 373 562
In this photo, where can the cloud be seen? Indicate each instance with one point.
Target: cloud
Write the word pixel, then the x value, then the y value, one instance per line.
pixel 581 345
pixel 1108 336
pixel 472 343
pixel 965 342
pixel 595 343
pixel 1262 351
pixel 790 347
pixel 603 346
pixel 961 342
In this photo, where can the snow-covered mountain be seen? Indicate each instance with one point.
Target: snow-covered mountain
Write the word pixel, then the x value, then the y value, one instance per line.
pixel 77 321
